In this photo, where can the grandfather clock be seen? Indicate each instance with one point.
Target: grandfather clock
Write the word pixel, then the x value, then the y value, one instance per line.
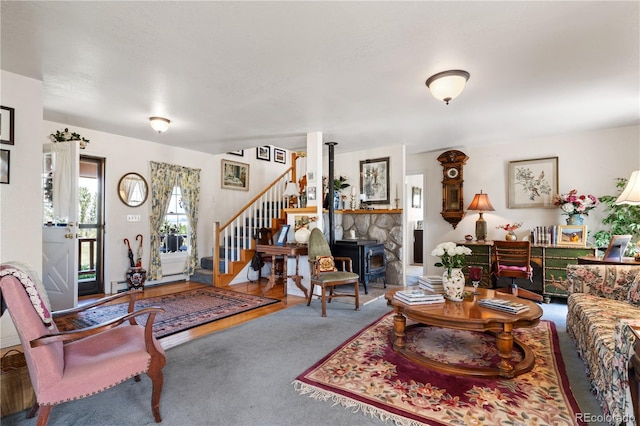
pixel 452 199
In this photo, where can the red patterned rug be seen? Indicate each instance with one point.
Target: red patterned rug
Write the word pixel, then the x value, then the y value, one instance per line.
pixel 366 375
pixel 183 310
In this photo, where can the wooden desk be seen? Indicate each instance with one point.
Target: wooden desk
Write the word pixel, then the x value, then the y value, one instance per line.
pixel 595 260
pixel 286 251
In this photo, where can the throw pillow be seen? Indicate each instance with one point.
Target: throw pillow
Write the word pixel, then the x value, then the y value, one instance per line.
pixel 326 264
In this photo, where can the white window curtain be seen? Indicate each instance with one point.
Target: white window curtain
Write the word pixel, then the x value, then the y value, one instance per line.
pixel 62 180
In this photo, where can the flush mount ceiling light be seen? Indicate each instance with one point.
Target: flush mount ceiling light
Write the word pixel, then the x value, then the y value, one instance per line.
pixel 447 85
pixel 159 124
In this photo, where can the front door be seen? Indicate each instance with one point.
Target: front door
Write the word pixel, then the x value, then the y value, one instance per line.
pixel 59 233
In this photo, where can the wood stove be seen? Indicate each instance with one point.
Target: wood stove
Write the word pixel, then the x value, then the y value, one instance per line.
pixel 368 258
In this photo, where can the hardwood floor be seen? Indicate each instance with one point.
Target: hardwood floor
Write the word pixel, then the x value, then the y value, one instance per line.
pixel 196 332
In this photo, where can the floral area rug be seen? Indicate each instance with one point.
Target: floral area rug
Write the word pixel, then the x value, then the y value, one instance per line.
pixel 366 375
pixel 183 310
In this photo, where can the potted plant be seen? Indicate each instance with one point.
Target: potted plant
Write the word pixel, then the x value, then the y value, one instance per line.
pixel 622 219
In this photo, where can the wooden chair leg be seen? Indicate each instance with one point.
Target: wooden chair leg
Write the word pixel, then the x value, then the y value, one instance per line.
pixel 136 377
pixel 43 415
pixel 324 301
pixel 357 291
pixel 311 285
pixel 157 380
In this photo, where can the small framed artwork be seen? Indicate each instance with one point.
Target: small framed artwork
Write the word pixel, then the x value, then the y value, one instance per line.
pixel 572 235
pixel 311 177
pixel 617 247
pixel 532 183
pixel 239 152
pixel 235 175
pixel 263 153
pixel 311 193
pixel 282 236
pixel 374 180
pixel 279 155
pixel 416 197
pixel 7 125
pixel 4 165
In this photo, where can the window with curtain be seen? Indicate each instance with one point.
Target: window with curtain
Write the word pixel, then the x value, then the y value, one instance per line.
pixel 175 228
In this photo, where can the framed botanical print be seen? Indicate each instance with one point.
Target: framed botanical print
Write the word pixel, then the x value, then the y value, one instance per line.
pixel 263 153
pixel 374 180
pixel 533 183
pixel 235 175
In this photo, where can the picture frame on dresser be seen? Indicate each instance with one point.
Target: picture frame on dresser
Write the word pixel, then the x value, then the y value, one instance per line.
pixel 532 183
pixel 572 235
pixel 7 127
pixel 617 246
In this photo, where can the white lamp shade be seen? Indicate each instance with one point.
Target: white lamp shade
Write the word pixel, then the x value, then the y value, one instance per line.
pixel 159 124
pixel 447 85
pixel 291 189
pixel 631 193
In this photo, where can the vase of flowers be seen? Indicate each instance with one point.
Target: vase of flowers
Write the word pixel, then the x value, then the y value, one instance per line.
pixel 452 257
pixel 574 205
pixel 510 228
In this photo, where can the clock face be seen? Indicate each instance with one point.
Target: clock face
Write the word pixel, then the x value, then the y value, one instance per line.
pixel 452 173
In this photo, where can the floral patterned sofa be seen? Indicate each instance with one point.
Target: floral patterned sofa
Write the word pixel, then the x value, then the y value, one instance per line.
pixel 604 300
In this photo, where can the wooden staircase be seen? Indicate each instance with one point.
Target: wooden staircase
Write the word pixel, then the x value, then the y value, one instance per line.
pixel 235 239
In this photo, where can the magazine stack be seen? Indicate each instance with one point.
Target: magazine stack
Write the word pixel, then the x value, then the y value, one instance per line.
pixel 418 297
pixel 504 305
pixel 432 283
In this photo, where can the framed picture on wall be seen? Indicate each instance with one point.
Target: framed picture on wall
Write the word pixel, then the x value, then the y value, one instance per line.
pixel 617 247
pixel 279 155
pixel 572 235
pixel 416 197
pixel 374 180
pixel 263 153
pixel 235 175
pixel 4 165
pixel 532 183
pixel 239 152
pixel 7 128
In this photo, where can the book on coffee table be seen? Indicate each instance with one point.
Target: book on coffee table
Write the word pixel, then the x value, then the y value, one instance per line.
pixel 417 297
pixel 504 305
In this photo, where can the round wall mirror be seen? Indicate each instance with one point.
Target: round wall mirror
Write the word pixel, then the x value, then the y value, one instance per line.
pixel 133 189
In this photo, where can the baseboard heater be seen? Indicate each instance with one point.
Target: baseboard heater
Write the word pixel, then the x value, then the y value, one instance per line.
pixel 121 286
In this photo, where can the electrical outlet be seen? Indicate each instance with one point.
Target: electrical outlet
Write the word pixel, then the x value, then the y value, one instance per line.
pixel 133 218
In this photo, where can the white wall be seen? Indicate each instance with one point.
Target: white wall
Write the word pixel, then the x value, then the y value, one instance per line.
pixel 588 162
pixel 20 208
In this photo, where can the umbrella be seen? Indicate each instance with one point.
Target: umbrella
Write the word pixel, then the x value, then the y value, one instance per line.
pixel 129 253
pixel 139 252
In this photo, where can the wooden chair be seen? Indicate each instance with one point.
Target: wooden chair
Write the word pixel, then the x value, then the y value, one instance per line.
pixel 325 274
pixel 513 260
pixel 64 366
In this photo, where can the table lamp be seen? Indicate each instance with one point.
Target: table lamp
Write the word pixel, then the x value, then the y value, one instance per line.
pixel 481 204
pixel 631 193
pixel 290 192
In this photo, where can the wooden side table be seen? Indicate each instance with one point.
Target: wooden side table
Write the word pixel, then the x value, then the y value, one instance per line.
pixel 286 250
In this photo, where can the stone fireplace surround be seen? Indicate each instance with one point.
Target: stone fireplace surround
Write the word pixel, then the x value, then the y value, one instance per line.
pixel 382 225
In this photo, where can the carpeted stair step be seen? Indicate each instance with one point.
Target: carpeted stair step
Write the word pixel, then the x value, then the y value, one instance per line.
pixel 206 263
pixel 203 276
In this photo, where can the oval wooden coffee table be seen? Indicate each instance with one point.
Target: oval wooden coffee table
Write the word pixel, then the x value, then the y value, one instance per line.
pixel 468 315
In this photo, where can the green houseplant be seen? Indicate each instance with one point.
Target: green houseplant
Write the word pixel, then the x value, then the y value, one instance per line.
pixel 622 219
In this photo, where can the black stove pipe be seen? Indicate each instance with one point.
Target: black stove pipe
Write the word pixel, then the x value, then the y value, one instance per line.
pixel 330 195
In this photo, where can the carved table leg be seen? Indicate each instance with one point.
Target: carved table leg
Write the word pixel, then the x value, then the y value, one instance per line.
pixel 272 277
pixel 297 278
pixel 504 342
pixel 399 326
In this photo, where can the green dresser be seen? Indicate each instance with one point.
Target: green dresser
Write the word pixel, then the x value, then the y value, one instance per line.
pixel 552 259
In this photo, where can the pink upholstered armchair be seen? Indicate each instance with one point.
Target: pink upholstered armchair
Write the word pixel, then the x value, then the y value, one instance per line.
pixel 64 366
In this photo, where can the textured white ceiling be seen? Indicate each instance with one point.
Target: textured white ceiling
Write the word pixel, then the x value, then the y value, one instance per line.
pixel 234 75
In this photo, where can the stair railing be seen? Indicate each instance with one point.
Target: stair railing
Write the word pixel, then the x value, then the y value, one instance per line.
pixel 230 239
